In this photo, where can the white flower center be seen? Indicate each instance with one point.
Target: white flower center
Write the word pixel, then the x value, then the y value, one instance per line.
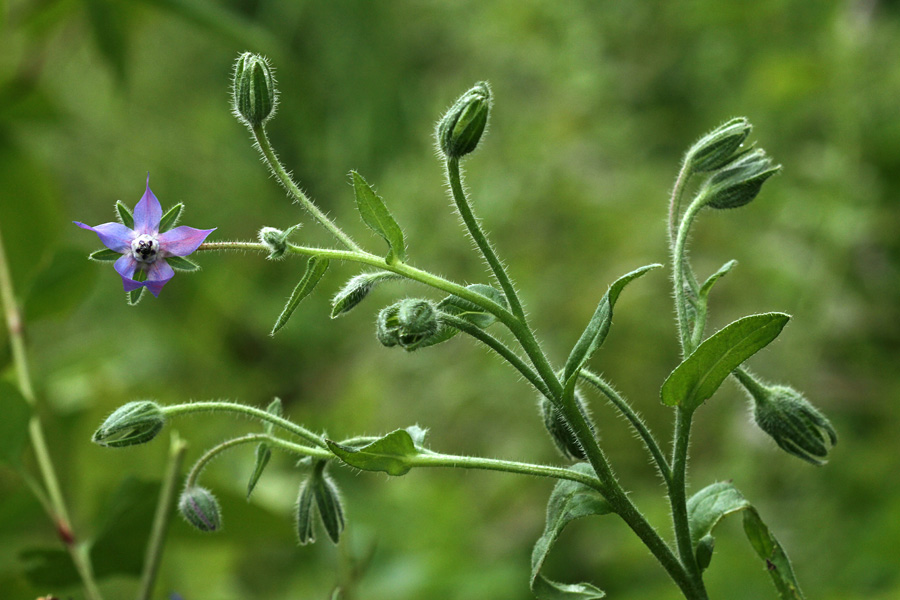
pixel 145 248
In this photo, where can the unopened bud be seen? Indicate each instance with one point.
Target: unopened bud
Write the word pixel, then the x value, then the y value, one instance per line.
pixel 718 147
pixel 739 182
pixel 130 424
pixel 461 128
pixel 558 428
pixel 200 508
pixel 408 323
pixel 254 93
pixel 276 240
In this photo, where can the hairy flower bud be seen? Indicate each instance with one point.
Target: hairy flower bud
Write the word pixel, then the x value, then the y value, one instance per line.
pixel 461 128
pixel 408 324
pixel 254 93
pixel 797 426
pixel 130 424
pixel 200 508
pixel 276 240
pixel 718 147
pixel 739 182
pixel 558 428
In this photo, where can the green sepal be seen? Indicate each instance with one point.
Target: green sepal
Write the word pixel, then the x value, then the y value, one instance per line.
pixel 306 533
pixel 134 296
pixel 710 505
pixel 376 215
pixel 712 279
pixel 170 219
pixel 328 502
pixel 181 263
pixel 598 327
pixel 105 255
pixel 700 374
pixel 392 453
pixel 263 452
pixel 315 269
pixel 125 214
pixel 569 501
pixel 14 424
pixel 356 290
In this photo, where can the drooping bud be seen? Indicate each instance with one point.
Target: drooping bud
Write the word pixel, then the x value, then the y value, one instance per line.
pixel 276 240
pixel 558 428
pixel 739 182
pixel 704 551
pixel 797 426
pixel 254 93
pixel 200 508
pixel 328 501
pixel 718 147
pixel 130 424
pixel 460 129
pixel 408 324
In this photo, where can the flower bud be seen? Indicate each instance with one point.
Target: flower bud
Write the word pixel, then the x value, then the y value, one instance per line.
pixel 408 323
pixel 558 428
pixel 704 551
pixel 739 182
pixel 130 424
pixel 460 129
pixel 254 93
pixel 718 147
pixel 200 508
pixel 275 240
pixel 796 425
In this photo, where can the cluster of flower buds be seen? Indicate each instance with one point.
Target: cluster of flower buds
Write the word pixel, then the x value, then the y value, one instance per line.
pixel 408 324
pixel 460 129
pixel 130 424
pixel 254 93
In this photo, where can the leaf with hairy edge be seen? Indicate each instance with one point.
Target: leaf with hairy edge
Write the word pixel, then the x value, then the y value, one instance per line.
pixel 378 218
pixel 700 374
pixel 710 505
pixel 570 500
pixel 170 219
pixel 390 454
pixel 306 533
pixel 356 290
pixel 598 327
pixel 14 423
pixel 328 501
pixel 182 264
pixel 105 255
pixel 315 269
pixel 712 279
pixel 125 214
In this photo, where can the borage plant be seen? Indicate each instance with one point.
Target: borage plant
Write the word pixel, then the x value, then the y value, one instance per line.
pixel 723 171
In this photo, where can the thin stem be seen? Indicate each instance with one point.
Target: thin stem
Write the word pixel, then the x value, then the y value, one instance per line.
pixel 675 201
pixel 679 272
pixel 507 466
pixel 250 411
pixel 54 498
pixel 163 516
pixel 262 141
pixel 254 246
pixel 635 419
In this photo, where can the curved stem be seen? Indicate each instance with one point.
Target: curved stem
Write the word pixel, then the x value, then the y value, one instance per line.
pixel 250 411
pixel 680 271
pixel 493 464
pixel 262 141
pixel 636 422
pixel 675 201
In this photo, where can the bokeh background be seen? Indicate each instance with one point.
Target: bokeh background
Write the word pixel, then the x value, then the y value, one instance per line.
pixel 594 105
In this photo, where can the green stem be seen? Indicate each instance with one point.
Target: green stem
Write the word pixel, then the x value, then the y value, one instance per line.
pixel 163 516
pixel 635 419
pixel 680 270
pixel 250 411
pixel 507 466
pixel 675 201
pixel 262 141
pixel 58 510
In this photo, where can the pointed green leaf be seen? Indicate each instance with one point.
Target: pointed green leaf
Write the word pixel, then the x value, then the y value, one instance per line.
pixel 391 454
pixel 701 373
pixel 315 269
pixel 778 565
pixel 707 285
pixel 125 214
pixel 378 218
pixel 274 408
pixel 14 423
pixel 570 500
pixel 328 502
pixel 263 452
pixel 710 505
pixel 356 290
pixel 181 263
pixel 306 533
pixel 105 255
pixel 598 327
pixel 134 296
pixel 470 311
pixel 170 219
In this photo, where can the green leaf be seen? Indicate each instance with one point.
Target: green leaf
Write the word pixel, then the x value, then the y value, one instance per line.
pixel 170 219
pixel 470 311
pixel 125 214
pixel 378 218
pixel 390 454
pixel 598 327
pixel 306 533
pixel 181 263
pixel 60 286
pixel 134 296
pixel 701 373
pixel 105 255
pixel 328 501
pixel 263 452
pixel 119 547
pixel 710 505
pixel 14 423
pixel 569 501
pixel 356 290
pixel 707 285
pixel 315 269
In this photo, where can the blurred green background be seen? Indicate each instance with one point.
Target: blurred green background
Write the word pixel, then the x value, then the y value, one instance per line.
pixel 594 105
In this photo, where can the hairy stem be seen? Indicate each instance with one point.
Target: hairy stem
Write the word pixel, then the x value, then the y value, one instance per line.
pixel 681 271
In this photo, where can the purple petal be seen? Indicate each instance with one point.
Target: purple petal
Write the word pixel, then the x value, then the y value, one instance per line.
pixel 158 275
pixel 183 240
pixel 114 236
pixel 126 266
pixel 147 213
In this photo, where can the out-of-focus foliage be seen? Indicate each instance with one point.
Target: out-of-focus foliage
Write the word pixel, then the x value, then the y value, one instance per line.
pixel 594 104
